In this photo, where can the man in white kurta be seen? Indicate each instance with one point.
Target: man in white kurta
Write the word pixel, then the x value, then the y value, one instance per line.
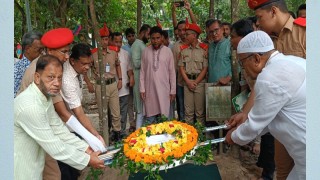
pixel 157 76
pixel 280 98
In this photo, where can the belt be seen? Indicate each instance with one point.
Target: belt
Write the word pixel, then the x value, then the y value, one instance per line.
pixel 107 81
pixel 192 76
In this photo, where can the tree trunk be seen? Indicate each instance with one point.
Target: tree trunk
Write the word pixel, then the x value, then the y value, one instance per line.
pixel 139 17
pixel 234 10
pixel 23 15
pixel 211 9
pixel 235 66
pixel 103 121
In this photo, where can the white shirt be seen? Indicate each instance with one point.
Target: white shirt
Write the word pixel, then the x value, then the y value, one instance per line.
pixel 126 65
pixel 71 90
pixel 280 108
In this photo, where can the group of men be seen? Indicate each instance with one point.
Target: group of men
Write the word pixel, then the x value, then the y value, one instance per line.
pixel 152 79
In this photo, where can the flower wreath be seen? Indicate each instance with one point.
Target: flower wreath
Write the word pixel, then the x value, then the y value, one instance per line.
pixel 137 149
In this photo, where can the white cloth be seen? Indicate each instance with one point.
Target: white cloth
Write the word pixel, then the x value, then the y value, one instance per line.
pixel 93 141
pixel 280 108
pixel 71 90
pixel 257 41
pixel 126 65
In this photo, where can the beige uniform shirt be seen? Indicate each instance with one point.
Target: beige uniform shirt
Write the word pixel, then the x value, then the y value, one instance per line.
pixel 193 59
pixel 291 40
pixel 108 56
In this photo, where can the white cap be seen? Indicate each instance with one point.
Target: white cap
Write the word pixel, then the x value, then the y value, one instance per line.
pixel 255 42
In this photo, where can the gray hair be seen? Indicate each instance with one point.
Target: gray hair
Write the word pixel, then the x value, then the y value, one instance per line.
pixel 29 37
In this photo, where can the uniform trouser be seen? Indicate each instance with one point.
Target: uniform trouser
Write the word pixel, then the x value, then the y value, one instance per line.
pixel 283 160
pixel 130 109
pixel 51 169
pixel 112 102
pixel 194 103
pixel 180 102
pixel 123 111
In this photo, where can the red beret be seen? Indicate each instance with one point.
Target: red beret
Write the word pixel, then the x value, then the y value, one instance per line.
pixel 104 31
pixel 193 27
pixel 57 38
pixel 256 4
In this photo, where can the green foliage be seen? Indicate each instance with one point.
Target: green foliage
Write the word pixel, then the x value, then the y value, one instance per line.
pixel 120 14
pixel 94 174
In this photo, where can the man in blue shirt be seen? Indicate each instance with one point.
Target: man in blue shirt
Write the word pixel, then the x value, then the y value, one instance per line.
pixel 32 48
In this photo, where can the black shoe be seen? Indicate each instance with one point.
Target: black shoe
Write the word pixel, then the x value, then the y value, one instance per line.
pixel 117 136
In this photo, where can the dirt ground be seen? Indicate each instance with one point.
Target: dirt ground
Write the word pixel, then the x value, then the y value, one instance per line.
pixel 235 164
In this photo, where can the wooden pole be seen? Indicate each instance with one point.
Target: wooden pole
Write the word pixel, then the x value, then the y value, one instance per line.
pixel 103 121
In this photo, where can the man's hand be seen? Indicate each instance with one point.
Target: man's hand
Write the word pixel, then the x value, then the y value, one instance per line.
pixel 172 97
pixel 173 7
pixel 256 149
pixel 143 96
pixel 95 162
pixel 131 82
pixel 236 120
pixel 191 85
pixel 228 136
pixel 119 84
pixel 90 87
pixel 187 5
pixel 89 150
pixel 224 80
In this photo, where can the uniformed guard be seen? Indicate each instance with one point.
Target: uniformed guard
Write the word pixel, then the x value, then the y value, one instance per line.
pixel 112 68
pixel 193 65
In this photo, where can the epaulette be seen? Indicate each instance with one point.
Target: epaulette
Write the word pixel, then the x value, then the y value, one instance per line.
pixel 94 50
pixel 300 21
pixel 114 48
pixel 203 46
pixel 184 46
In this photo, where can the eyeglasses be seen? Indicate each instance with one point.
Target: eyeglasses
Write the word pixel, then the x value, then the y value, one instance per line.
pixel 215 31
pixel 65 52
pixel 240 61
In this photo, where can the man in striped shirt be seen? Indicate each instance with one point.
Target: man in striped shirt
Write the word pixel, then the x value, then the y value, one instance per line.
pixel 38 128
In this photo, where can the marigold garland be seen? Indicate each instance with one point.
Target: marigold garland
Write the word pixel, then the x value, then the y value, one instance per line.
pixel 136 148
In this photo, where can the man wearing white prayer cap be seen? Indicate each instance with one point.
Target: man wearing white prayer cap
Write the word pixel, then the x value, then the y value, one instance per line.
pixel 280 99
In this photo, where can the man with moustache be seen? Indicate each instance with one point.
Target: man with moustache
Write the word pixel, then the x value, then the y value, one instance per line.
pixel 157 77
pixel 137 49
pixel 32 49
pixel 57 43
pixel 39 130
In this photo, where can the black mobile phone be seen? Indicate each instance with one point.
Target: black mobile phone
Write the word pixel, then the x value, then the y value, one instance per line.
pixel 180 3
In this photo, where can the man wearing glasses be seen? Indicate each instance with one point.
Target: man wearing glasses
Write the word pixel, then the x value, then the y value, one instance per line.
pixel 57 43
pixel 32 48
pixel 219 69
pixel 280 99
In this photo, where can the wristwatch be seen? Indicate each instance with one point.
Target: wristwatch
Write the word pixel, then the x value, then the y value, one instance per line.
pixel 120 79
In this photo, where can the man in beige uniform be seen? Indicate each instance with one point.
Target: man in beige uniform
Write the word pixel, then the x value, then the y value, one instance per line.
pixel 57 43
pixel 289 37
pixel 111 66
pixel 193 66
